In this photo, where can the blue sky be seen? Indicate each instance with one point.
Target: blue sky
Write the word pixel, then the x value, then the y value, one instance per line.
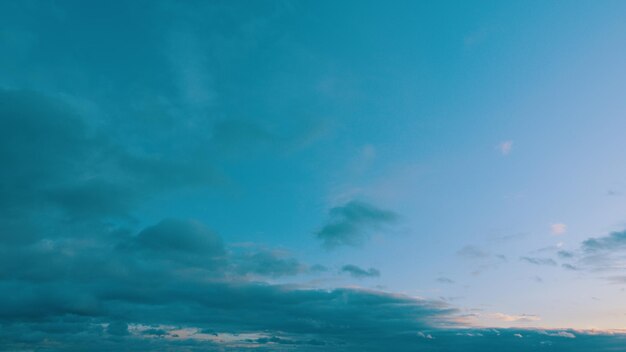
pixel 308 175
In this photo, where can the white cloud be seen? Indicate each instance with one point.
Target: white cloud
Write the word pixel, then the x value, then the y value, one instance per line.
pixel 505 147
pixel 565 334
pixel 425 336
pixel 515 318
pixel 558 228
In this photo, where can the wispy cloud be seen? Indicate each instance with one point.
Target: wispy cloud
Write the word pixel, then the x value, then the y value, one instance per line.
pixel 472 252
pixel 570 267
pixel 351 224
pixel 359 272
pixel 612 242
pixel 539 261
pixel 515 318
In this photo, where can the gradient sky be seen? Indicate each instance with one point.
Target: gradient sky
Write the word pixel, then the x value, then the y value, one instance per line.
pixel 309 175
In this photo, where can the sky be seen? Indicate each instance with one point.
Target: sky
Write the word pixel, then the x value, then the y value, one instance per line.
pixel 312 175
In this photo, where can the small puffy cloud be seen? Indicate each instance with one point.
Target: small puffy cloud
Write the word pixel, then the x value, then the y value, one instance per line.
pixel 539 261
pixel 351 224
pixel 359 272
pixel 558 228
pixel 505 147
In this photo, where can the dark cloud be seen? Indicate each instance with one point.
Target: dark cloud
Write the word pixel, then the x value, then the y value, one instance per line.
pixel 352 223
pixel 613 193
pixel 155 293
pixel 283 341
pixel 264 262
pixel 359 272
pixel 612 242
pixel 598 254
pixel 186 242
pixel 177 273
pixel 539 261
pixel 472 252
pixel 172 235
pixel 565 254
pixel 64 169
pixel 445 280
pixel 569 267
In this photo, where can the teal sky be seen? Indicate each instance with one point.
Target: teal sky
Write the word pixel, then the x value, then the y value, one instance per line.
pixel 163 159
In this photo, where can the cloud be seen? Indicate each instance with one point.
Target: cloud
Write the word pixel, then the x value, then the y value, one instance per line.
pixel 358 272
pixel 184 236
pixel 558 228
pixel 569 267
pixel 179 273
pixel 351 224
pixel 269 263
pixel 100 284
pixel 445 280
pixel 505 147
pixel 565 334
pixel 539 261
pixel 612 242
pixel 472 252
pixel 65 169
pixel 605 253
pixel 515 318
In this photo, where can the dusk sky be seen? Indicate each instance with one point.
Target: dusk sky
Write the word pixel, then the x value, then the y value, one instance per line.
pixel 312 175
